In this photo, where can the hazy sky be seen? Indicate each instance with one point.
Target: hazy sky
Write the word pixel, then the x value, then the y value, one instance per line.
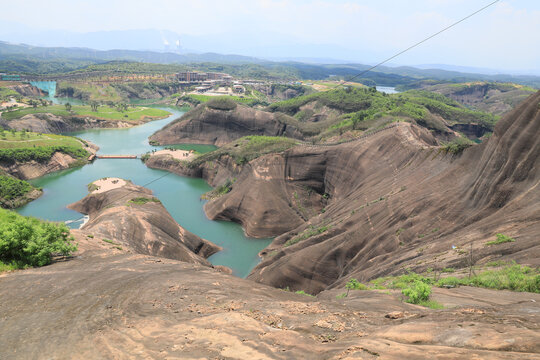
pixel 506 36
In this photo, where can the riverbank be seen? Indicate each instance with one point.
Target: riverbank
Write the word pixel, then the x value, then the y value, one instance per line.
pixel 181 196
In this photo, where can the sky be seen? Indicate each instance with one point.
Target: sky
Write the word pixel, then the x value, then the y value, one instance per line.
pixel 505 36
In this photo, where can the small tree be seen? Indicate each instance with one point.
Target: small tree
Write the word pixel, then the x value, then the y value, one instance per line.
pixel 354 284
pixel 68 106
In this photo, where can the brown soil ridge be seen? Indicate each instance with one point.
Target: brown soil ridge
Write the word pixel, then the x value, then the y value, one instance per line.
pixel 408 208
pixel 204 125
pixel 103 304
pixel 28 90
pixel 385 203
pixel 139 223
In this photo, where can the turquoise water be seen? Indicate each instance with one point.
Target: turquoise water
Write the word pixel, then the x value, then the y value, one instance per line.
pixel 180 195
pixel 387 89
pixel 48 86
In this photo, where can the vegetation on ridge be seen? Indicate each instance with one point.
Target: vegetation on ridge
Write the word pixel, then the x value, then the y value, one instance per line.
pixel 26 241
pixel 246 149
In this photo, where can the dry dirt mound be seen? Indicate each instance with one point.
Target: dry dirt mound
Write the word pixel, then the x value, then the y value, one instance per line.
pixel 102 305
pixel 205 125
pixel 130 217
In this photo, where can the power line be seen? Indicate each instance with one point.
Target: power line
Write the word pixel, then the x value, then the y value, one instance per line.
pixel 418 43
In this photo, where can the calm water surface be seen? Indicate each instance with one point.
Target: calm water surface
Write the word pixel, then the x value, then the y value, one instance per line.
pixel 180 195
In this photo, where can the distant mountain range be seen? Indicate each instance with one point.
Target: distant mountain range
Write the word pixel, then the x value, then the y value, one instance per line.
pixel 34 59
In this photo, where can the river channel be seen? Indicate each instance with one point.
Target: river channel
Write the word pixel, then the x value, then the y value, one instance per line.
pixel 180 195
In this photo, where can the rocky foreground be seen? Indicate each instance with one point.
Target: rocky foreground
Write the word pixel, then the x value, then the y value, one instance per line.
pixel 104 304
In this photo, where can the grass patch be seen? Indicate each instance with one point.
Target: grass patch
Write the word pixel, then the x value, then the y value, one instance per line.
pixel 219 191
pixel 513 277
pixel 432 304
pixel 26 139
pixel 246 149
pixel 500 239
pixel 40 154
pixel 309 232
pixel 143 200
pixel 103 112
pixel 302 292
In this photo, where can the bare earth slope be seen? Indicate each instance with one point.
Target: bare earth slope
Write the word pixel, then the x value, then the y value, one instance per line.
pixel 137 221
pixel 408 208
pixel 389 202
pixel 205 125
pixel 105 305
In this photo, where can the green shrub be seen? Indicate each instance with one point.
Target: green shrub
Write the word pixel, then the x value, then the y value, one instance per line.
pixel 246 149
pixel 417 292
pixel 26 241
pixel 12 188
pixel 39 154
pixel 311 231
pixel 513 277
pixel 219 191
pixel 302 292
pixel 143 200
pixel 457 145
pixel 501 239
pixel 354 284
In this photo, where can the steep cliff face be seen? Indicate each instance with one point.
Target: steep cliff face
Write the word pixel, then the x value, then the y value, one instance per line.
pixel 33 169
pixel 131 216
pixel 206 125
pixel 412 208
pixel 388 202
pixel 28 90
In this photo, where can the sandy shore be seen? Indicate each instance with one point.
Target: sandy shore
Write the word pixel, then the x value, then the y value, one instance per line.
pixel 108 184
pixel 177 154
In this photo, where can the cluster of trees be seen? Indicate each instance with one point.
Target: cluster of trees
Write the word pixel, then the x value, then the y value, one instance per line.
pixel 24 133
pixel 12 188
pixel 26 241
pixel 39 154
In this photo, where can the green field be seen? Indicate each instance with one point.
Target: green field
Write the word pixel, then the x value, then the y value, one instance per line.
pixel 20 139
pixel 103 112
pixel 6 94
pixel 205 98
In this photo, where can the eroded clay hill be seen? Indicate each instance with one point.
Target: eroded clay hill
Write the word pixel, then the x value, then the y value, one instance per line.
pixel 218 126
pixel 385 203
pixel 129 217
pixel 396 204
pixel 103 304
